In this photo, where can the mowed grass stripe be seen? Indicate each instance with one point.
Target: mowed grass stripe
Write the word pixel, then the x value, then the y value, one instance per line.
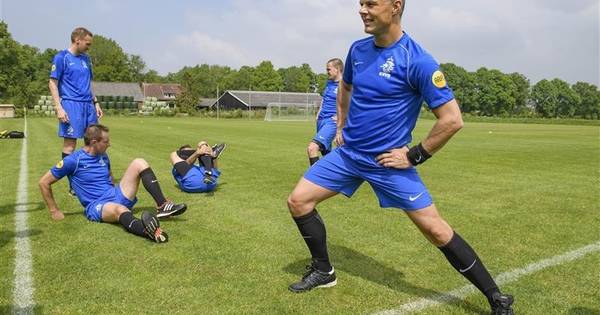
pixel 511 193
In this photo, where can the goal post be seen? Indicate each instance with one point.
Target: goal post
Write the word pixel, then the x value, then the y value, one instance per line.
pixel 277 111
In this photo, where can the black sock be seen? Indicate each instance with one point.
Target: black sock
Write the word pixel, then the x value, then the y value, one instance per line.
pixel 464 259
pixel 151 184
pixel 131 224
pixel 313 160
pixel 207 162
pixel 312 228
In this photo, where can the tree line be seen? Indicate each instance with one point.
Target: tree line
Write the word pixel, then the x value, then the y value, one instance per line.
pixel 485 92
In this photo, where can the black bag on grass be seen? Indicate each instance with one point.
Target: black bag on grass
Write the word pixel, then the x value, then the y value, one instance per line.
pixel 5 134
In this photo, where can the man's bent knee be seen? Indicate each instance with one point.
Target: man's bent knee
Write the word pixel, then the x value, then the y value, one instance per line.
pixel 439 233
pixel 313 149
pixel 299 207
pixel 140 163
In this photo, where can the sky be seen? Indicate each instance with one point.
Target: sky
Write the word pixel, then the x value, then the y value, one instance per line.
pixel 542 39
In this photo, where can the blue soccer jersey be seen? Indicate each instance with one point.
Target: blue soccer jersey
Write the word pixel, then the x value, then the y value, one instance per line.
pixel 389 86
pixel 90 174
pixel 74 76
pixel 328 105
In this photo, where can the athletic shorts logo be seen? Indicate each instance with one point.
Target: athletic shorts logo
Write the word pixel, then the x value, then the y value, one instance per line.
pixel 60 164
pixel 99 207
pixel 438 79
pixel 413 198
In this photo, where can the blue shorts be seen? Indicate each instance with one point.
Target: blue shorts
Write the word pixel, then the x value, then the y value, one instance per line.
pixel 344 170
pixel 81 115
pixel 193 181
pixel 93 211
pixel 326 129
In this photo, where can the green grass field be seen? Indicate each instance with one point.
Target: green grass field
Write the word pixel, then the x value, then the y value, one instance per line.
pixel 519 193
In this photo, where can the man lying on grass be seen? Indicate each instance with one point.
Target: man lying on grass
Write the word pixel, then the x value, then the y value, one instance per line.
pixel 199 178
pixel 92 180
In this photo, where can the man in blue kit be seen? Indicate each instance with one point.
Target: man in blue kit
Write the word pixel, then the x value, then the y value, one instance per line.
pixel 386 78
pixel 194 178
pixel 326 118
pixel 92 180
pixel 71 88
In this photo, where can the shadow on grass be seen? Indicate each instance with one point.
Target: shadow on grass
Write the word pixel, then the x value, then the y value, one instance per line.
pixel 579 310
pixel 9 209
pixel 362 266
pixel 7 236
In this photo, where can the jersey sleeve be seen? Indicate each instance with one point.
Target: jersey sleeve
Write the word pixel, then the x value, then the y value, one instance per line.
pixel 347 76
pixel 57 67
pixel 64 167
pixel 427 77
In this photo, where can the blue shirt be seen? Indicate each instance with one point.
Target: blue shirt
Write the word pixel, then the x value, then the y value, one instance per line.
pixel 90 174
pixel 74 76
pixel 389 86
pixel 328 105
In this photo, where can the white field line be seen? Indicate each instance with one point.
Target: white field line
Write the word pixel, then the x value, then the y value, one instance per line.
pixel 502 278
pixel 23 286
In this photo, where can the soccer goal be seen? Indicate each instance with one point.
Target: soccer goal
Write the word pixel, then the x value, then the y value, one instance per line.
pixel 291 111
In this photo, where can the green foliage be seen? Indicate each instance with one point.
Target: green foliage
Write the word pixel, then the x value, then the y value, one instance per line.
pixel 265 78
pixel 589 107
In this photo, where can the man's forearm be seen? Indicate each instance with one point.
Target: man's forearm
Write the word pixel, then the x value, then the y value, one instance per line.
pixel 48 197
pixel 53 86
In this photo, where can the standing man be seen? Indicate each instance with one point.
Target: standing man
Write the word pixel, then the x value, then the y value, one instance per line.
pixel 71 88
pixel 387 77
pixel 103 201
pixel 326 118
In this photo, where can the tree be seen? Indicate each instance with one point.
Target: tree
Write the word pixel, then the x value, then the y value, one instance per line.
pixel 461 82
pixel 188 99
pixel 590 100
pixel 265 78
pixel 110 62
pixel 520 92
pixel 494 90
pixel 554 98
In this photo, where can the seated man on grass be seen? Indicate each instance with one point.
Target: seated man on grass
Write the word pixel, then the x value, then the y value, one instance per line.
pixel 92 180
pixel 197 178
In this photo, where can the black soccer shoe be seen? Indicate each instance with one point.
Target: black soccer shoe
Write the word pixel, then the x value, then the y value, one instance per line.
pixel 208 179
pixel 152 228
pixel 501 304
pixel 218 149
pixel 169 208
pixel 313 278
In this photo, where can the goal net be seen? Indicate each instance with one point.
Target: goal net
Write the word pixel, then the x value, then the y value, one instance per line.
pixel 291 111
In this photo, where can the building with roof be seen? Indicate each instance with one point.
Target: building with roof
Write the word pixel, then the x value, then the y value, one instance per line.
pixel 247 100
pixel 131 90
pixel 163 92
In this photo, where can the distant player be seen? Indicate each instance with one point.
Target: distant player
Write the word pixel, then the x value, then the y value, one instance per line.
pixel 387 78
pixel 326 117
pixel 92 180
pixel 199 178
pixel 71 88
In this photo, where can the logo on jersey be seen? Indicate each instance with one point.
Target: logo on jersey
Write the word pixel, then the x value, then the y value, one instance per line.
pixel 438 79
pixel 60 164
pixel 53 67
pixel 84 64
pixel 387 68
pixel 335 90
pixel 102 163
